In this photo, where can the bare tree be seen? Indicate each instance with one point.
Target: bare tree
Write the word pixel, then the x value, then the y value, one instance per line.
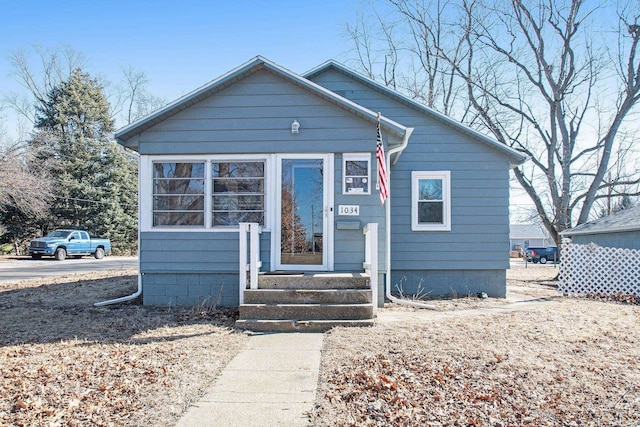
pixel 402 51
pixel 24 184
pixel 40 75
pixel 132 99
pixel 552 79
pixel 40 69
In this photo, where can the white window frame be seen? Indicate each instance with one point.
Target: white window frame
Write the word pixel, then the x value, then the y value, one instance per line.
pixel 445 176
pixel 204 179
pixel 358 157
pixel 145 184
pixel 264 188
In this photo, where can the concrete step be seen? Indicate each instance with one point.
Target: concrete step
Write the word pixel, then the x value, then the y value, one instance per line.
pixel 314 281
pixel 291 325
pixel 304 312
pixel 307 296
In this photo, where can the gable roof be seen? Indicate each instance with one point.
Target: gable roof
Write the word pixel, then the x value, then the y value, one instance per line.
pixel 625 220
pixel 518 157
pixel 256 64
pixel 526 231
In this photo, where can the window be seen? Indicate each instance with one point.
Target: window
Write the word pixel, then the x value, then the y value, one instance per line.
pixel 356 173
pixel 430 201
pixel 178 194
pixel 238 192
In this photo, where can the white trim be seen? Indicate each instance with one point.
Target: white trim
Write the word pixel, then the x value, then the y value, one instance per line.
pixel 144 123
pixel 518 156
pixel 445 176
pixel 145 190
pixel 356 157
pixel 328 210
pixel 328 214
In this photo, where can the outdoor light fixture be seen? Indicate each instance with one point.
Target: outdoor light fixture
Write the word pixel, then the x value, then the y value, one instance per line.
pixel 295 127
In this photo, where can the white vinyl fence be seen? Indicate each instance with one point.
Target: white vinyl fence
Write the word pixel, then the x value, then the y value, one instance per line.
pixel 593 269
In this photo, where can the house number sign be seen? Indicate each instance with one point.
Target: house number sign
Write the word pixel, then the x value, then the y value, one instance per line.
pixel 349 210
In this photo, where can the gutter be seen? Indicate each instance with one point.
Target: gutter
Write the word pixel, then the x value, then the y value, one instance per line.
pixel 399 150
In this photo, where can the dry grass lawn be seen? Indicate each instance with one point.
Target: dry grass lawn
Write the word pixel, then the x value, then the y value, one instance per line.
pixel 64 362
pixel 567 362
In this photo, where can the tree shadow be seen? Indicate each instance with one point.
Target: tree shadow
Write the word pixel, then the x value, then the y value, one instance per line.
pixel 40 314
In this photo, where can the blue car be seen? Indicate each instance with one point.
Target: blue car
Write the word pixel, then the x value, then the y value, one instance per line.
pixel 542 255
pixel 62 243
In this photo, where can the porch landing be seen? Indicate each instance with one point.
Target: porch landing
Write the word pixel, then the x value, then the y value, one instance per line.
pixel 307 302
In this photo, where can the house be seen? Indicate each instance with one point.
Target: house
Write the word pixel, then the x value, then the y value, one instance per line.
pixel 522 236
pixel 295 154
pixel 619 230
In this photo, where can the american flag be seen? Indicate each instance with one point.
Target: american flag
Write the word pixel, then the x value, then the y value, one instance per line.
pixel 383 183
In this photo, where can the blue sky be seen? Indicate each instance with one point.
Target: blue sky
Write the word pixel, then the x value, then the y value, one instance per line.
pixel 180 45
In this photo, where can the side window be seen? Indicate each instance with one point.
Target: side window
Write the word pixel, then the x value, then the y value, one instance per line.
pixel 356 173
pixel 431 201
pixel 84 235
pixel 178 194
pixel 237 192
pixel 75 236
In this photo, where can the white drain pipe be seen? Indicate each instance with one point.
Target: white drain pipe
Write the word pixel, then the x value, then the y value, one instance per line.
pixel 123 299
pixel 405 142
pixel 137 293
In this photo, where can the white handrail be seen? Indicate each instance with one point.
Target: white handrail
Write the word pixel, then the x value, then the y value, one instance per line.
pixel 371 260
pixel 249 257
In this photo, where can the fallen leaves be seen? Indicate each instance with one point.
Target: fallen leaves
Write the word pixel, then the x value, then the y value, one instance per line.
pixel 64 362
pixel 573 362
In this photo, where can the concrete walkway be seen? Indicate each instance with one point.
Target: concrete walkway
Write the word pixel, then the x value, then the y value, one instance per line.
pixel 272 382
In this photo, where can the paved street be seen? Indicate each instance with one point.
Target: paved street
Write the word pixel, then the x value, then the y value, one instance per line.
pixel 27 268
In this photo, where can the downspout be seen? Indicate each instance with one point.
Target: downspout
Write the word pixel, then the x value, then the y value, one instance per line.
pixel 123 299
pixel 134 295
pixel 399 150
pixel 138 292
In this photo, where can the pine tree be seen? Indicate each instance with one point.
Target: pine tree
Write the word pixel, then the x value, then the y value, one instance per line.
pixel 95 180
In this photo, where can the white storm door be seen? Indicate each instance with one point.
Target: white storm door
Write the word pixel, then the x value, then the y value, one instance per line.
pixel 304 237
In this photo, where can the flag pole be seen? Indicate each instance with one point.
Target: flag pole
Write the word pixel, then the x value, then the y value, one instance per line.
pixel 382 182
pixel 377 165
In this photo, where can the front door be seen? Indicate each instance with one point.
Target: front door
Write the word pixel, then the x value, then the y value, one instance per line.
pixel 303 239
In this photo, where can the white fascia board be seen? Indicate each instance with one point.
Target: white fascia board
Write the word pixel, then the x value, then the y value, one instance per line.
pixel 521 158
pixel 185 100
pixel 389 124
pixel 571 232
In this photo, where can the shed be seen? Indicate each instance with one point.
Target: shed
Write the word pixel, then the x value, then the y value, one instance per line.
pixel 618 230
pixel 294 157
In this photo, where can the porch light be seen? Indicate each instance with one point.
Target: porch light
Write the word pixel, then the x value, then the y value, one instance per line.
pixel 295 127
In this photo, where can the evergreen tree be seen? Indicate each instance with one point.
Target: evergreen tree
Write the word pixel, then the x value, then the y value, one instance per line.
pixel 95 181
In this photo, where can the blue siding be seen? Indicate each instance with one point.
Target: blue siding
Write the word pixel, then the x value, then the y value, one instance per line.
pixel 188 268
pixel 626 240
pixel 349 244
pixel 254 115
pixel 194 251
pixel 479 236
